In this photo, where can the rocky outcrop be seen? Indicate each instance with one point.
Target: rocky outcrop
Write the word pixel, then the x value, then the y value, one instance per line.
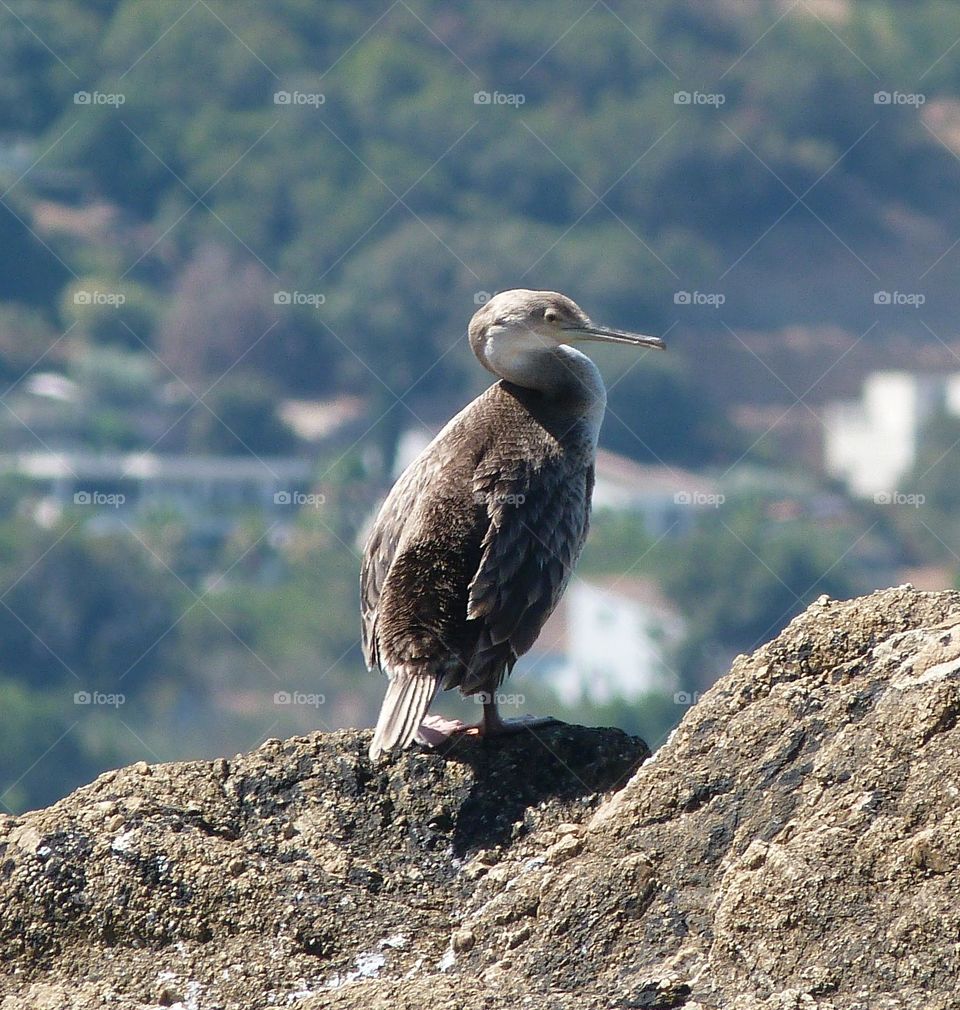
pixel 795 843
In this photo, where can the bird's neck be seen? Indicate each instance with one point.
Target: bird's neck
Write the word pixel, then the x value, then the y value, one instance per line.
pixel 561 373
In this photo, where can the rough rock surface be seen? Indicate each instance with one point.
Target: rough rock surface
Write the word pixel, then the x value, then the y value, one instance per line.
pixel 795 844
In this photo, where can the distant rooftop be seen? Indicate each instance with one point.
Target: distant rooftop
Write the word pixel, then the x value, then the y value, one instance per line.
pixel 654 479
pixel 313 420
pixel 639 590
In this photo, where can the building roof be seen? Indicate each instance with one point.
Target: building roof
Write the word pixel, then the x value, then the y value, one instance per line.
pixel 314 420
pixel 656 480
pixel 638 590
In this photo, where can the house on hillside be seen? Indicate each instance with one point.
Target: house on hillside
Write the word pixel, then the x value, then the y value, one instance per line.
pixel 871 443
pixel 609 638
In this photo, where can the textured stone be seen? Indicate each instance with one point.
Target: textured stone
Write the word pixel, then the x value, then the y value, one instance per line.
pixel 795 844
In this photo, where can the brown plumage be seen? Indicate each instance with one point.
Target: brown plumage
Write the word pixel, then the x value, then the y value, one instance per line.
pixel 473 547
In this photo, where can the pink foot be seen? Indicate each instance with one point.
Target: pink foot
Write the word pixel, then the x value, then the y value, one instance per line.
pixel 434 730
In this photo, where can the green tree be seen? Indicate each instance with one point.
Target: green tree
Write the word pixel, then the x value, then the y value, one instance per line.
pixel 85 612
pixel 742 576
pixel 241 419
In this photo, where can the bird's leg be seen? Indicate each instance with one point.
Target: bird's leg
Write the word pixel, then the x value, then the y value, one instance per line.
pixel 494 725
pixel 435 729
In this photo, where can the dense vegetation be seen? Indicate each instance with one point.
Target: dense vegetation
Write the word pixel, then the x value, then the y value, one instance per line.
pixel 149 237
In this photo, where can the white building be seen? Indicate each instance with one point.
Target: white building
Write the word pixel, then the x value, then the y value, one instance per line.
pixel 872 443
pixel 609 638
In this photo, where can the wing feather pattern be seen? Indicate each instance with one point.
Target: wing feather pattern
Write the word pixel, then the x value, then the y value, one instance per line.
pixel 539 517
pixel 381 549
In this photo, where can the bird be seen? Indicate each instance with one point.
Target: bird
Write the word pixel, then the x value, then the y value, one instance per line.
pixel 474 545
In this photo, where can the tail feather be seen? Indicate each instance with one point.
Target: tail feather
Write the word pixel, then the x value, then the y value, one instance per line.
pixel 408 697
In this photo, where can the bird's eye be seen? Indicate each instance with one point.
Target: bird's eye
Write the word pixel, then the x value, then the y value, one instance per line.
pixel 550 316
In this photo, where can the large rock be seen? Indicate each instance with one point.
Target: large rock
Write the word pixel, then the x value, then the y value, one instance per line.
pixel 294 869
pixel 796 843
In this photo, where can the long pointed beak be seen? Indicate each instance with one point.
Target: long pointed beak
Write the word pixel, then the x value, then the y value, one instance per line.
pixel 603 334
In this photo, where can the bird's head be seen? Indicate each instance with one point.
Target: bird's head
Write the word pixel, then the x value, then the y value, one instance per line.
pixel 513 328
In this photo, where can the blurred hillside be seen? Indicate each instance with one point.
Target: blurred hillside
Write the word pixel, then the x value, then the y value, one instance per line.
pixel 185 186
pixel 256 232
